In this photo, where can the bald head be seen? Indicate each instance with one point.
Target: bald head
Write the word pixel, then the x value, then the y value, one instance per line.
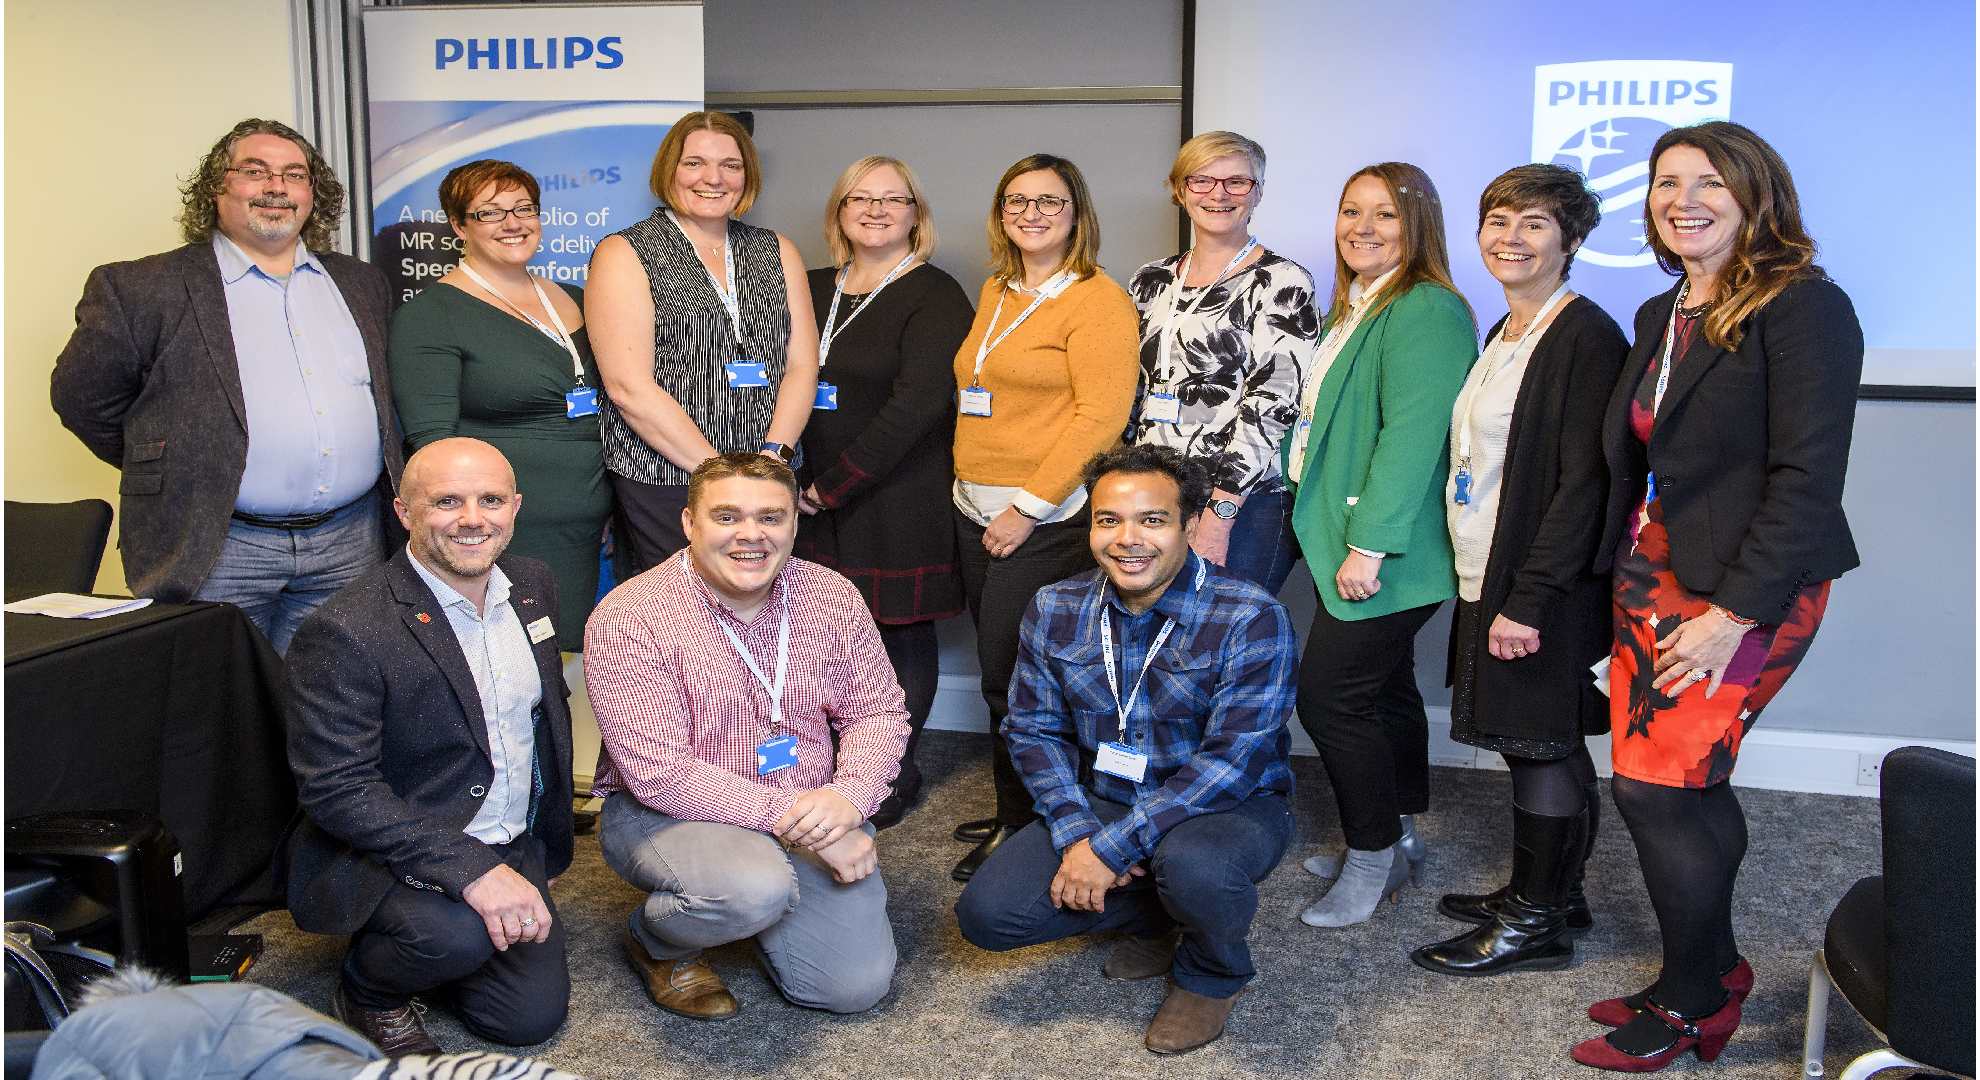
pixel 448 456
pixel 458 499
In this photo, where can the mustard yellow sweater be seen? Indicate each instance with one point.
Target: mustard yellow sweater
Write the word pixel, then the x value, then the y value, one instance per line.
pixel 1061 387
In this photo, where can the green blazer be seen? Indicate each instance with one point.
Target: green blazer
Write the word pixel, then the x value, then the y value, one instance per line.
pixel 1378 454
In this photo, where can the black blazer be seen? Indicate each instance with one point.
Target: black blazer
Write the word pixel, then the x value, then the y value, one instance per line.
pixel 390 746
pixel 1541 570
pixel 150 383
pixel 1749 450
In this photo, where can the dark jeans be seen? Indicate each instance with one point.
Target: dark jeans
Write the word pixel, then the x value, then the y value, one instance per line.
pixel 916 656
pixel 1262 547
pixel 1359 703
pixel 419 941
pixel 1203 877
pixel 649 523
pixel 998 592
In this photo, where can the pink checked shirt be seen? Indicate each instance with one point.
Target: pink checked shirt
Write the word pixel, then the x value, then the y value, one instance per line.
pixel 681 716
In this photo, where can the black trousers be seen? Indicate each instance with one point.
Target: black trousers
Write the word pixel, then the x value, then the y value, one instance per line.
pixel 420 941
pixel 998 592
pixel 1359 703
pixel 649 523
pixel 916 655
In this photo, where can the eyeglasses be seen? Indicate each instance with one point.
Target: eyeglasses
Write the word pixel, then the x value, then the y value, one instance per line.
pixel 257 174
pixel 1203 185
pixel 523 212
pixel 1049 205
pixel 863 203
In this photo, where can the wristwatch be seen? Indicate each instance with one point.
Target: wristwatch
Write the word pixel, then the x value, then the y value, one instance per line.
pixel 1224 508
pixel 784 451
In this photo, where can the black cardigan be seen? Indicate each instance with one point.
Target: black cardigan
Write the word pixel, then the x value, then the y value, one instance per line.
pixel 1749 450
pixel 1541 570
pixel 882 461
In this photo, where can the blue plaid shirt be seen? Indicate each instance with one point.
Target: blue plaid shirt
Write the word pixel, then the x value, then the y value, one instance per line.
pixel 1211 715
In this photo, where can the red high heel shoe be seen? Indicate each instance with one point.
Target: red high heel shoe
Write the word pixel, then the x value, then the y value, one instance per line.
pixel 1615 1012
pixel 1706 1034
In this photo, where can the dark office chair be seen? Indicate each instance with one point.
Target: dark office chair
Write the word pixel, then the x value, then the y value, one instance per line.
pixel 1900 947
pixel 55 547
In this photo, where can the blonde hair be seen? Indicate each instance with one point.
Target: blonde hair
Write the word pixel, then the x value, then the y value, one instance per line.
pixel 921 238
pixel 1208 147
pixel 1773 248
pixel 1426 258
pixel 1082 254
pixel 668 157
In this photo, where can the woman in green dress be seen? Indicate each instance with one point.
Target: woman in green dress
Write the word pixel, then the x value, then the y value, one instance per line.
pixel 492 354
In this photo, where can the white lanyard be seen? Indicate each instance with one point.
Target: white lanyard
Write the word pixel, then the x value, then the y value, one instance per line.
pixel 730 298
pixel 559 335
pixel 1177 310
pixel 1123 707
pixel 1529 341
pixel 1670 342
pixel 773 688
pixel 1057 284
pixel 838 289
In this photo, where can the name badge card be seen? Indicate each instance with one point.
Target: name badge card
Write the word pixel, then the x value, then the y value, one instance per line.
pixel 541 630
pixel 1119 759
pixel 582 401
pixel 827 397
pixel 775 754
pixel 975 401
pixel 1162 409
pixel 746 374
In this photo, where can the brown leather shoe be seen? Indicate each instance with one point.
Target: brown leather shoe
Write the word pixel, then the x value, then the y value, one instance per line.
pixel 1187 1021
pixel 397 1032
pixel 1141 958
pixel 685 987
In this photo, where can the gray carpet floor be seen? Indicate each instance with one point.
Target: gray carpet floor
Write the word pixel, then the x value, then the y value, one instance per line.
pixel 1341 1003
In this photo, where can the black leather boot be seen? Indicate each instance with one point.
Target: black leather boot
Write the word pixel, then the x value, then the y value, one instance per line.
pixel 1476 907
pixel 1528 928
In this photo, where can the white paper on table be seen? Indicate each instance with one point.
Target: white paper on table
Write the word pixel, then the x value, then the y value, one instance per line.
pixel 64 605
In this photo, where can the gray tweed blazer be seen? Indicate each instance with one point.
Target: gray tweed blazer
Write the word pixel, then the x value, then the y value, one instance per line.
pixel 390 747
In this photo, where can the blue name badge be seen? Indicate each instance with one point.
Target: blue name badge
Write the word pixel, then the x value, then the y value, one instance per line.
pixel 974 401
pixel 827 397
pixel 582 401
pixel 1122 760
pixel 774 754
pixel 744 374
pixel 1161 409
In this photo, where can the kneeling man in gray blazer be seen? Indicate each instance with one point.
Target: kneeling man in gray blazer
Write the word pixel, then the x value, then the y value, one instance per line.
pixel 431 741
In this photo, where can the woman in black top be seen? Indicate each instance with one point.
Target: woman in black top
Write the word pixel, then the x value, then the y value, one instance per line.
pixel 1523 503
pixel 877 451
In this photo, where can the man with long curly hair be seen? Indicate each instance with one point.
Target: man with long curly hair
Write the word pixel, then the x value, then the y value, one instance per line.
pixel 239 382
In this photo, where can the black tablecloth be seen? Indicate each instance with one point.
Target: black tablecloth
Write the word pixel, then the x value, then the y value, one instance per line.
pixel 175 710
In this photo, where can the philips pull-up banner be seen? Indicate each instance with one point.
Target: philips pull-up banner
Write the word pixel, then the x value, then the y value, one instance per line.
pixel 578 95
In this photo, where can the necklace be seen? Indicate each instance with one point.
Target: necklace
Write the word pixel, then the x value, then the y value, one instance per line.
pixel 1695 312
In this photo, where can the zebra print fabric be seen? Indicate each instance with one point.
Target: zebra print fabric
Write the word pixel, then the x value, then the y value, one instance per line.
pixel 464 1066
pixel 692 340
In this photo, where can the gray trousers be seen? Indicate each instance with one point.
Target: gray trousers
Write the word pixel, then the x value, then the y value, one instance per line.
pixel 826 945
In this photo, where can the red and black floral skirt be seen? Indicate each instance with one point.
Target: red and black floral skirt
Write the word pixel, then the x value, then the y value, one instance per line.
pixel 1691 740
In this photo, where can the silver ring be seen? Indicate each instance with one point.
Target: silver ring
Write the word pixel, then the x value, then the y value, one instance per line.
pixel 1697 675
pixel 529 920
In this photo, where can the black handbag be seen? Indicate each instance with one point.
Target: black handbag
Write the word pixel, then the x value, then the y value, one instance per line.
pixel 45 978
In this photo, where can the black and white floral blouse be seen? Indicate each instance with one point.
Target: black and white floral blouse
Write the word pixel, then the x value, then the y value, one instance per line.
pixel 1236 361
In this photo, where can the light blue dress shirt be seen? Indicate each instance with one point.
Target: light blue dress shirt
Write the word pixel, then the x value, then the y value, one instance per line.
pixel 312 422
pixel 506 677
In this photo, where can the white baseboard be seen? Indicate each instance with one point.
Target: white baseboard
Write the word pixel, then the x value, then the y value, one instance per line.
pixel 1774 759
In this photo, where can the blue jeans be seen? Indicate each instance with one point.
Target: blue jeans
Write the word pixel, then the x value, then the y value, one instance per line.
pixel 1203 877
pixel 1262 547
pixel 278 576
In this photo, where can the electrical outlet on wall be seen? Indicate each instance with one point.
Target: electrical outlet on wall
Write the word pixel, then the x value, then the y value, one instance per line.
pixel 1869 769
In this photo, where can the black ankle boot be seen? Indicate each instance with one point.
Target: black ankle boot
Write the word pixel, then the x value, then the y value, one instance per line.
pixel 1528 927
